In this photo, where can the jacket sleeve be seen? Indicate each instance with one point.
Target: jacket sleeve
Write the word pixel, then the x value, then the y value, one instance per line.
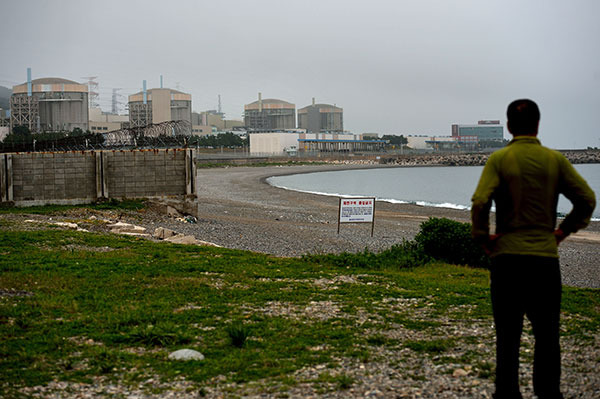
pixel 576 189
pixel 481 202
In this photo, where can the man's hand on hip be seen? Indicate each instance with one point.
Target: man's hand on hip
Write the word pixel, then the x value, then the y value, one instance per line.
pixel 559 235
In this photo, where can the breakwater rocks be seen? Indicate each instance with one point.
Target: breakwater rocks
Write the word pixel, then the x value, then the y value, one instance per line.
pixel 436 159
pixel 582 156
pixel 474 159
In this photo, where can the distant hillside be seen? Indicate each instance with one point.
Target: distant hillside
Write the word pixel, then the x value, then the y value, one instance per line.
pixel 5 97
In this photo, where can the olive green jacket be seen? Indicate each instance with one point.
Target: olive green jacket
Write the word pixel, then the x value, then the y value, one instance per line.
pixel 524 179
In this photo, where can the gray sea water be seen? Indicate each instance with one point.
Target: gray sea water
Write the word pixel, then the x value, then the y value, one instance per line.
pixel 436 186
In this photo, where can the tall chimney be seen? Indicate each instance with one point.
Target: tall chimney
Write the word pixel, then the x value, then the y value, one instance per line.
pixel 145 94
pixel 259 102
pixel 29 89
pixel 313 101
pixel 161 85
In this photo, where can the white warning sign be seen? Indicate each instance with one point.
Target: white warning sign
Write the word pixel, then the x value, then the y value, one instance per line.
pixel 357 210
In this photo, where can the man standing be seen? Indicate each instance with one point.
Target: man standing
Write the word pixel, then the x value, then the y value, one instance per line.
pixel 524 179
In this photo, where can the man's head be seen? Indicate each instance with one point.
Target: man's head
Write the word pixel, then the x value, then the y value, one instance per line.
pixel 523 118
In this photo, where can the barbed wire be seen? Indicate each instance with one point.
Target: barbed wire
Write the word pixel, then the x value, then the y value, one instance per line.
pixel 155 133
pixel 172 134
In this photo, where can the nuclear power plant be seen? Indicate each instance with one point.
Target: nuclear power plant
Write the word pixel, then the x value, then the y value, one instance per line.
pixel 269 114
pixel 159 105
pixel 49 105
pixel 321 118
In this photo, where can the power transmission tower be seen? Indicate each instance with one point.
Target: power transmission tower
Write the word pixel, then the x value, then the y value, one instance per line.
pixel 93 95
pixel 115 100
pixel 220 109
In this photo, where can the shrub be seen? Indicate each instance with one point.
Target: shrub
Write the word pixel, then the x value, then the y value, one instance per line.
pixel 450 241
pixel 238 334
pixel 404 255
pixel 161 335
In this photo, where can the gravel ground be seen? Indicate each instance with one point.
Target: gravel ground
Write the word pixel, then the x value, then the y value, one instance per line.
pixel 237 210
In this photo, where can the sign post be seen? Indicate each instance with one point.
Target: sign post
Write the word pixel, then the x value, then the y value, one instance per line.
pixel 357 210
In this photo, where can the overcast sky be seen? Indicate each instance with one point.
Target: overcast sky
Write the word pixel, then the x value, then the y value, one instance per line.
pixel 396 66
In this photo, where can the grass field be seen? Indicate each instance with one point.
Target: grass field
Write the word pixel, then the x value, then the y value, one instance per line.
pixel 74 306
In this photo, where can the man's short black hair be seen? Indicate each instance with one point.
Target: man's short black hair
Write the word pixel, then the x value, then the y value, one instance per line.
pixel 523 117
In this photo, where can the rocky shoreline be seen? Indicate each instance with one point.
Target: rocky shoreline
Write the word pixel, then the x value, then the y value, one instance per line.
pixel 473 159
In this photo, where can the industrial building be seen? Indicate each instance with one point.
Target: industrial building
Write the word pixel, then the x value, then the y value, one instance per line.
pixel 4 123
pixel 485 130
pixel 321 118
pixel 49 105
pixel 453 143
pixel 417 142
pixel 269 114
pixel 4 118
pixel 159 105
pixel 203 130
pixel 102 122
pixel 279 143
pixel 215 119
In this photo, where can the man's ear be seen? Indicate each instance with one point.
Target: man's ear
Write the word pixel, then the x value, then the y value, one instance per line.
pixel 508 127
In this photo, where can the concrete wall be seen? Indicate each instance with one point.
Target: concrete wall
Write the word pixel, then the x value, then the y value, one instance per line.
pixel 53 176
pixel 141 174
pixel 83 177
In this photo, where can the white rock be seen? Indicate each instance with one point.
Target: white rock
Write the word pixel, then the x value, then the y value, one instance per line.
pixel 162 233
pixel 182 239
pixel 186 354
pixel 127 233
pixel 209 244
pixel 460 373
pixel 189 240
pixel 172 212
pixel 121 228
pixel 66 224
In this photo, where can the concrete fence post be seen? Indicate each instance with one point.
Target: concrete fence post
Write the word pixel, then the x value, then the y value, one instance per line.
pixel 101 178
pixel 190 172
pixel 3 192
pixel 7 179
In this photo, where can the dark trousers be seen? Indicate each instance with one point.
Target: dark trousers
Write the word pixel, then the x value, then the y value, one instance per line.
pixel 526 285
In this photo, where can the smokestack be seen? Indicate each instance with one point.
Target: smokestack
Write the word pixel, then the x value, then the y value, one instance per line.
pixel 259 102
pixel 29 89
pixel 313 101
pixel 161 85
pixel 145 94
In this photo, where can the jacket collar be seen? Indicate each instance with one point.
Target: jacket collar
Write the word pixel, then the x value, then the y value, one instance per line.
pixel 525 139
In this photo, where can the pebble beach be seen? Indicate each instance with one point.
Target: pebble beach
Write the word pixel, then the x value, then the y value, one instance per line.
pixel 239 209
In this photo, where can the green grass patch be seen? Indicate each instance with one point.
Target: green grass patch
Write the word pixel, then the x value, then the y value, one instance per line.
pixel 73 314
pixel 400 256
